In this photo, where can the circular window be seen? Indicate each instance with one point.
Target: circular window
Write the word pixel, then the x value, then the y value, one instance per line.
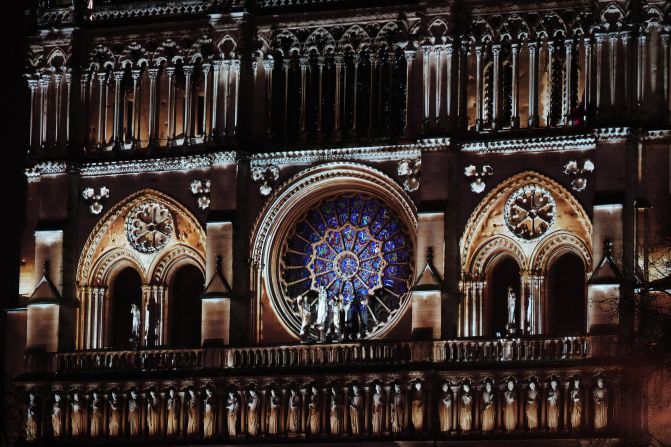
pixel 353 245
pixel 149 227
pixel 530 211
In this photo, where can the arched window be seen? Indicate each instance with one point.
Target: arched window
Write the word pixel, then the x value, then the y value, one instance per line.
pixel 185 309
pixel 503 273
pixel 125 290
pixel 566 309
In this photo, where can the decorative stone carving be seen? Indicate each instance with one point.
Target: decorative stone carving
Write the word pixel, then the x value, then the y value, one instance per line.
pixel 274 406
pixel 532 405
pixel 293 412
pixel 578 170
pixel 97 408
pixel 553 396
pixel 417 407
pixel 172 413
pixel 576 404
pixel 134 413
pixel 488 412
pixel 266 176
pixel 356 408
pixel 478 174
pixel 95 199
pixel 377 411
pixel 77 420
pixel 31 418
pixel 445 408
pixel 397 409
pixel 314 410
pixel 600 396
pixel 135 322
pixel 232 409
pixel 153 413
pixel 253 410
pixel 510 406
pixel 209 414
pixel 192 414
pixel 337 416
pixel 149 226
pixel 530 211
pixel 57 414
pixel 201 191
pixel 410 171
pixel 114 425
pixel 466 408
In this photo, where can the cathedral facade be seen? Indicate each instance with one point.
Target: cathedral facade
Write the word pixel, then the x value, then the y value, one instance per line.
pixel 293 221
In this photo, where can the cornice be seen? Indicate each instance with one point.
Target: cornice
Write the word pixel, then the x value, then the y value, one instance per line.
pixel 532 144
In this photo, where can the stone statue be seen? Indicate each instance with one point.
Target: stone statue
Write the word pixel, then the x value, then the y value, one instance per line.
pixel 114 426
pixel 57 412
pixel 553 405
pixel 488 416
pixel 445 408
pixel 356 407
pixel 336 412
pixel 512 300
pixel 253 407
pixel 153 413
pixel 322 312
pixel 303 303
pixel 600 395
pixel 363 316
pixel 172 410
pixel 77 416
pixel 397 409
pixel 192 413
pixel 150 323
pixel 274 405
pixel 417 407
pixel 133 414
pixel 532 406
pixel 378 410
pixel 510 406
pixel 232 407
pixel 31 418
pixel 576 405
pixel 314 411
pixel 209 419
pixel 466 408
pixel 97 407
pixel 294 413
pixel 135 315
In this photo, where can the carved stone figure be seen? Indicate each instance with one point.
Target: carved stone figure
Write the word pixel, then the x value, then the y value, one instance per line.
pixel 114 426
pixel 576 405
pixel 553 406
pixel 153 413
pixel 135 316
pixel 510 406
pixel 97 407
pixel 57 412
pixel 172 410
pixel 377 410
pixel 209 420
pixel 417 407
pixel 303 303
pixel 150 323
pixel 31 418
pixel 322 312
pixel 600 395
pixel 356 406
pixel 512 300
pixel 77 416
pixel 294 412
pixel 274 405
pixel 133 414
pixel 232 407
pixel 314 411
pixel 397 409
pixel 445 408
pixel 488 418
pixel 532 406
pixel 253 407
pixel 192 413
pixel 466 408
pixel 336 412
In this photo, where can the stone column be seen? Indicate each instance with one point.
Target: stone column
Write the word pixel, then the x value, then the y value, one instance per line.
pixel 478 87
pixel 170 71
pixel 496 51
pixel 84 102
pixel 338 62
pixel 152 73
pixel 587 45
pixel 533 83
pixel 449 101
pixel 612 66
pixel 666 69
pixel 320 74
pixel 549 90
pixel 626 63
pixel 599 37
pixel 116 140
pixel 45 80
pixel 268 66
pixel 285 65
pixel 462 109
pixel 227 89
pixel 216 70
pixel 58 77
pixel 236 98
pixel 135 74
pixel 373 63
pixel 32 85
pixel 515 118
pixel 568 86
pixel 409 58
pixel 102 105
pixel 356 58
pixel 641 69
pixel 439 82
pixel 303 61
pixel 427 50
pixel 186 126
pixel 206 84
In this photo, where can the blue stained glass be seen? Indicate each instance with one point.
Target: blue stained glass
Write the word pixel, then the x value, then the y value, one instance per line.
pixel 358 284
pixel 389 246
pixel 362 238
pixel 298 244
pixel 307 232
pixel 400 256
pixel 380 219
pixel 394 225
pixel 369 252
pixel 328 210
pixel 330 276
pixel 293 275
pixel 322 266
pixel 342 205
pixel 369 212
pixel 324 251
pixel 372 264
pixel 356 209
pixel 349 235
pixel 384 234
pixel 335 241
pixel 335 288
pixel 315 219
pixel 348 292
pixel 398 270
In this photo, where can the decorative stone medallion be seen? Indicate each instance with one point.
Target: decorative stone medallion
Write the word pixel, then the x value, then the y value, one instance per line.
pixel 149 226
pixel 530 211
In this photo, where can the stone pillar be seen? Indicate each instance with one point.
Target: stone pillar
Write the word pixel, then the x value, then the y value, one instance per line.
pixel 462 109
pixel 427 50
pixel 533 84
pixel 227 94
pixel 170 71
pixel 626 64
pixel 85 108
pixel 135 74
pixel 68 99
pixel 612 66
pixel 216 70
pixel 32 85
pixel 206 84
pixel 515 118
pixel 568 85
pixel 373 64
pixel 587 45
pixel 338 62
pixel 439 82
pixel 58 77
pixel 45 80
pixel 356 58
pixel 549 88
pixel 236 98
pixel 478 87
pixel 449 100
pixel 496 109
pixel 285 65
pixel 599 37
pixel 666 68
pixel 268 66
pixel 409 58
pixel 116 141
pixel 152 73
pixel 303 61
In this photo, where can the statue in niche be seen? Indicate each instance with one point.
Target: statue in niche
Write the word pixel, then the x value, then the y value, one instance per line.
pixel 133 413
pixel 192 412
pixel 153 413
pixel 303 302
pixel 397 409
pixel 510 406
pixel 465 408
pixel 77 416
pixel 532 406
pixel 232 407
pixel 135 320
pixel 321 323
pixel 274 405
pixel 600 395
pixel 417 407
pixel 294 413
pixel 336 412
pixel 576 405
pixel 97 407
pixel 57 412
pixel 512 301
pixel 253 407
pixel 114 426
pixel 378 410
pixel 356 406
pixel 150 323
pixel 488 416
pixel 172 409
pixel 209 419
pixel 314 410
pixel 31 418
pixel 445 408
pixel 553 405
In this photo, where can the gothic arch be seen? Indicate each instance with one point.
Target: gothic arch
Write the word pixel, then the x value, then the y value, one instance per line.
pixel 493 248
pixel 555 245
pixel 169 262
pixel 113 261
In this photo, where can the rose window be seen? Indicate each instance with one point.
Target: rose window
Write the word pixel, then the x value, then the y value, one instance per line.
pixel 149 227
pixel 530 211
pixel 353 245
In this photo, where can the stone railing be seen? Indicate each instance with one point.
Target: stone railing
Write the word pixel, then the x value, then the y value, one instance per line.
pixel 531 349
